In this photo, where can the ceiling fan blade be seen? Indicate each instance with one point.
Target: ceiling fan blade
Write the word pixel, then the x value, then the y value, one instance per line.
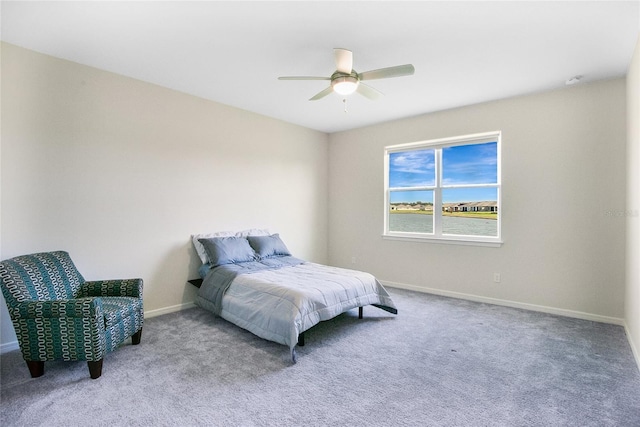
pixel 322 94
pixel 304 78
pixel 385 73
pixel 344 60
pixel 369 92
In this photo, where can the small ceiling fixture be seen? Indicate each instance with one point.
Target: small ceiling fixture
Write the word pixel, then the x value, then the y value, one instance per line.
pixel 573 80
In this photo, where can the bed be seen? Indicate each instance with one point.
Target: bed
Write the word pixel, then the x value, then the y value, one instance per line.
pixel 251 279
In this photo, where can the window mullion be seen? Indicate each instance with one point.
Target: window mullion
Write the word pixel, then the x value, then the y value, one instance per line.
pixel 491 185
pixel 437 195
pixel 425 188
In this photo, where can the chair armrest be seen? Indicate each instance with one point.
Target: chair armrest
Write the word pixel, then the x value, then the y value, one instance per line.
pixel 82 307
pixel 112 288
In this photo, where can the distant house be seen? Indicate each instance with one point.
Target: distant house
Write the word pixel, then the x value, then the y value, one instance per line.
pixel 411 207
pixel 486 206
pixel 449 207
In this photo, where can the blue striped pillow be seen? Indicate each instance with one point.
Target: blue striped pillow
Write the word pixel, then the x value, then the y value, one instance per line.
pixel 268 246
pixel 228 250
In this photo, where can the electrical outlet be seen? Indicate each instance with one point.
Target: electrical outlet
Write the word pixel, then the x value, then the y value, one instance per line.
pixel 496 277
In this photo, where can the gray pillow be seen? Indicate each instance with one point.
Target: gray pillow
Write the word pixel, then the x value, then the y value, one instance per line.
pixel 227 250
pixel 268 246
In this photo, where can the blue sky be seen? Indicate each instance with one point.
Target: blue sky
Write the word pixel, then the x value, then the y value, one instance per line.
pixel 464 164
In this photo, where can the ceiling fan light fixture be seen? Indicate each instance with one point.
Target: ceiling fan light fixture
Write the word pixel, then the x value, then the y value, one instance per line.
pixel 345 85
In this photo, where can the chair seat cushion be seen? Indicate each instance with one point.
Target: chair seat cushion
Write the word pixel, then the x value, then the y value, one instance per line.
pixel 117 309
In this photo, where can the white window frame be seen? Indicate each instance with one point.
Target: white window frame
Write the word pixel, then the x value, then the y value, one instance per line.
pixel 437 236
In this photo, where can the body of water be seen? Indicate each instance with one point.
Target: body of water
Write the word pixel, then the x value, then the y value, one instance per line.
pixel 421 223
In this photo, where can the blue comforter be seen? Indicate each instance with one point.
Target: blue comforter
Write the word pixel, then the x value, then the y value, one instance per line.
pixel 279 298
pixel 218 279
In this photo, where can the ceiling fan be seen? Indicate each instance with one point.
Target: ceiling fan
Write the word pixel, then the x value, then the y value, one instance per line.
pixel 345 80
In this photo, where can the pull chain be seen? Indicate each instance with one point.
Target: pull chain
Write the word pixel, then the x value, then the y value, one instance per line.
pixel 345 105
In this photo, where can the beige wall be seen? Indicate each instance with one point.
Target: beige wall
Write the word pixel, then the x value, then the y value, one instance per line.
pixel 563 172
pixel 120 173
pixel 632 296
pixel 6 329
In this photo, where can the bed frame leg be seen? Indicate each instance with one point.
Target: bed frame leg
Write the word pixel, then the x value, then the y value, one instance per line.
pixel 301 339
pixel 359 312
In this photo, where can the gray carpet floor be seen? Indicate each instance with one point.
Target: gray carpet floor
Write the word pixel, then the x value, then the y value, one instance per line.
pixel 440 362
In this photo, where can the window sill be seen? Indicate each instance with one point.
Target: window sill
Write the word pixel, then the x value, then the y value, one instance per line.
pixel 465 241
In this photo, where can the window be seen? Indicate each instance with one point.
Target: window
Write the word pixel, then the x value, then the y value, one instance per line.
pixel 445 190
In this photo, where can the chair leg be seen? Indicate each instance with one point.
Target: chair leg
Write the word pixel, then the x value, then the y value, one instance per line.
pixel 135 338
pixel 36 368
pixel 95 368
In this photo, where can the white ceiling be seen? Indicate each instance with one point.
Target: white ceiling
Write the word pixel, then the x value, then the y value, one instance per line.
pixel 232 52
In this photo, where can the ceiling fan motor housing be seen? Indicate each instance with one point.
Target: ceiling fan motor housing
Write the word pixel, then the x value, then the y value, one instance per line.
pixel 344 83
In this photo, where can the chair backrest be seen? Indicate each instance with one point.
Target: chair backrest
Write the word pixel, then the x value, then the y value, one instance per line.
pixel 41 276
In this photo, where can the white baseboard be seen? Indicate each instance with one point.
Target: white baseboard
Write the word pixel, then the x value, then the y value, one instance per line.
pixel 634 349
pixel 13 345
pixel 9 346
pixel 166 310
pixel 507 303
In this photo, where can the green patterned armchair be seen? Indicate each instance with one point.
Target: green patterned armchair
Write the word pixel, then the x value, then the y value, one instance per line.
pixel 57 315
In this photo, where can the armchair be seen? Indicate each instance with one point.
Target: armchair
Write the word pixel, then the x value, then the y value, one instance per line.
pixel 57 315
